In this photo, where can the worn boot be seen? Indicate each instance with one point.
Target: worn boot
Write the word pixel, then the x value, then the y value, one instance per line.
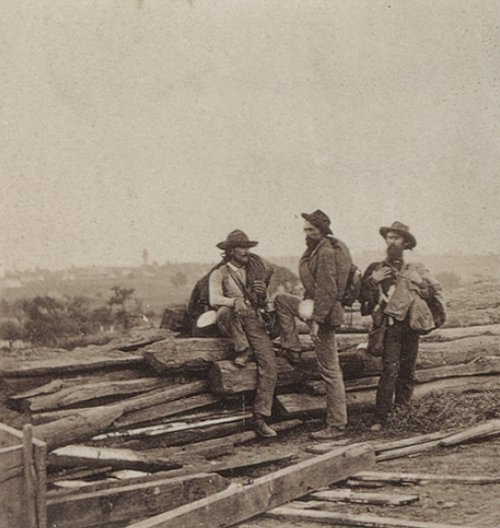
pixel 262 429
pixel 328 433
pixel 243 358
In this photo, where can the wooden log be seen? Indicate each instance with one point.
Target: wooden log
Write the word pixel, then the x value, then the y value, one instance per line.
pixel 151 398
pixel 183 433
pixel 481 365
pixel 129 502
pixel 76 427
pixel 458 351
pixel 240 502
pixel 417 478
pixel 364 520
pixel 88 456
pixel 478 431
pixel 299 404
pixel 164 410
pixel 356 497
pixel 226 378
pixel 406 451
pixel 67 396
pixel 69 362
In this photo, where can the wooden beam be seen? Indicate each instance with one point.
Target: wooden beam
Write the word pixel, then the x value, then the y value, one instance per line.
pixel 489 428
pixel 130 502
pixel 356 497
pixel 416 478
pixel 364 520
pixel 240 502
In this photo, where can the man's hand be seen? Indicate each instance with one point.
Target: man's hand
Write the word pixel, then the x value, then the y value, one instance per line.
pixel 381 274
pixel 314 331
pixel 241 308
pixel 259 287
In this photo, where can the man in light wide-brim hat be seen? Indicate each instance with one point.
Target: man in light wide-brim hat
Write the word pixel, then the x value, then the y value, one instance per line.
pixel 392 293
pixel 238 290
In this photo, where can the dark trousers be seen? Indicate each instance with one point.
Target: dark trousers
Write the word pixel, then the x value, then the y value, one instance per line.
pixel 399 361
pixel 246 331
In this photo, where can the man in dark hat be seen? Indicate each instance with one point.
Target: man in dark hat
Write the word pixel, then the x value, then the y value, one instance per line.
pixel 323 270
pixel 238 289
pixel 388 291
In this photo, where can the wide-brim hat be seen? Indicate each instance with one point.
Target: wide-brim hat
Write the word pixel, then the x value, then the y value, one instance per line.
pixel 320 220
pixel 237 238
pixel 400 229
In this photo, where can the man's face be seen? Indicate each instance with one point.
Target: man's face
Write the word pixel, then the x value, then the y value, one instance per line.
pixel 312 232
pixel 395 244
pixel 240 255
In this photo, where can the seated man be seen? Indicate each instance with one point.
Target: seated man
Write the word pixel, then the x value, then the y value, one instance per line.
pixel 238 289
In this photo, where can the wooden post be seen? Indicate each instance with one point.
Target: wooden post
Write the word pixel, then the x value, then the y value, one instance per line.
pixel 29 477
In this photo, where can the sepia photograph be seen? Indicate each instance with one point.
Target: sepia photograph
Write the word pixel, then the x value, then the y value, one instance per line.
pixel 249 263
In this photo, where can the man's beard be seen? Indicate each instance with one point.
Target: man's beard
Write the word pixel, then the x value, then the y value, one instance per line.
pixel 311 243
pixel 394 252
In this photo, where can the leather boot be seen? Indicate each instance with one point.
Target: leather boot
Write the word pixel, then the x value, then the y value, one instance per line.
pixel 262 429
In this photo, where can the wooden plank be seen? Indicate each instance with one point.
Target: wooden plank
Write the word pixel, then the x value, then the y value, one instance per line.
pixel 130 501
pixel 416 478
pixel 408 450
pixel 356 497
pixel 477 431
pixel 164 410
pixel 294 404
pixel 365 520
pixel 67 396
pixel 240 502
pixel 40 458
pixel 89 456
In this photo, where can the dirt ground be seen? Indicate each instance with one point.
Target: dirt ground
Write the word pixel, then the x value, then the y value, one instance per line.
pixel 476 505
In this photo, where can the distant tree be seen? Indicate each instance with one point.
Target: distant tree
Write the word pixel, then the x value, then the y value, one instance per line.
pixel 4 307
pixel 11 331
pixel 145 257
pixel 179 279
pixel 45 320
pixel 119 310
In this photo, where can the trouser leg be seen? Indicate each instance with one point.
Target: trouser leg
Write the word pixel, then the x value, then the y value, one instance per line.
pixel 287 308
pixel 267 370
pixel 390 368
pixel 331 373
pixel 405 382
pixel 231 325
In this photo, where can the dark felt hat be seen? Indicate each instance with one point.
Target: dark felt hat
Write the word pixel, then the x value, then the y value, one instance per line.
pixel 400 229
pixel 236 238
pixel 320 220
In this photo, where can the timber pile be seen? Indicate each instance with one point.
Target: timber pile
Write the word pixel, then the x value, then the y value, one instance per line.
pixel 136 429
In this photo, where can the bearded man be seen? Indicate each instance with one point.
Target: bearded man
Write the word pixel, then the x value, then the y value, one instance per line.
pixel 389 289
pixel 237 290
pixel 324 277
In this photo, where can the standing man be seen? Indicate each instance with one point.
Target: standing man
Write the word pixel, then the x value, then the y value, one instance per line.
pixel 323 270
pixel 388 291
pixel 238 289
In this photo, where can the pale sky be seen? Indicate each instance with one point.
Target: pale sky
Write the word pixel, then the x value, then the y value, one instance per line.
pixel 132 124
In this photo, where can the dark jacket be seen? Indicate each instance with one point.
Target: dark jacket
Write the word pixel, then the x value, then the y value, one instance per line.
pixel 324 276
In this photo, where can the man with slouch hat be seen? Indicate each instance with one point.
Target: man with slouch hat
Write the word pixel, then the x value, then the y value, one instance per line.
pixel 238 290
pixel 391 292
pixel 324 270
